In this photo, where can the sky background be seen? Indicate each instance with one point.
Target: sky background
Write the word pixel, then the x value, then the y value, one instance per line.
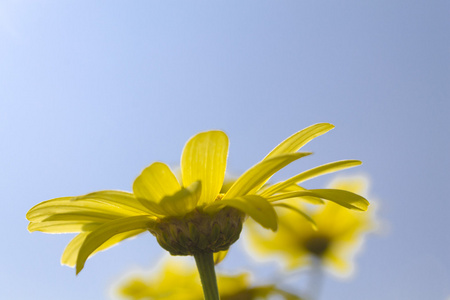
pixel 91 92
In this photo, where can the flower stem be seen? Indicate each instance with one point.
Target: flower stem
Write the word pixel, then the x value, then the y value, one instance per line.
pixel 205 266
pixel 316 277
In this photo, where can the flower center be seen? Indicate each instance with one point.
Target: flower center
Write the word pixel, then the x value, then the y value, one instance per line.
pixel 199 232
pixel 317 245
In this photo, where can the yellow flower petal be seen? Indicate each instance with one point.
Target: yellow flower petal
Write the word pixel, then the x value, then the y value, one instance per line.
pixel 299 139
pixel 155 182
pixel 236 287
pixel 71 222
pixel 309 174
pixel 62 226
pixel 123 200
pixel 293 188
pixel 341 197
pixel 344 198
pixel 118 238
pixel 299 211
pixel 70 254
pixel 183 201
pixel 106 231
pixel 154 208
pixel 82 216
pixel 69 257
pixel 258 208
pixel 204 159
pixel 219 256
pixel 335 262
pixel 49 208
pixel 257 175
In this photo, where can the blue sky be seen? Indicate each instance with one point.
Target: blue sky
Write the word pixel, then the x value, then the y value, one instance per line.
pixel 91 92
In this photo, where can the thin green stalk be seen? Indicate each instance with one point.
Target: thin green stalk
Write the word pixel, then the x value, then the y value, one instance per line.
pixel 205 266
pixel 316 278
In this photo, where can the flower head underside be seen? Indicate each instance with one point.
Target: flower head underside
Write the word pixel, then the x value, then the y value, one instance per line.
pixel 190 215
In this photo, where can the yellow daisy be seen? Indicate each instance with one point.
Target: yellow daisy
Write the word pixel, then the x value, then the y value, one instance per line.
pixel 334 238
pixel 178 281
pixel 172 279
pixel 190 217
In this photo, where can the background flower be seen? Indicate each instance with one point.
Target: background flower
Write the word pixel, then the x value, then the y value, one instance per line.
pixel 334 239
pixel 177 280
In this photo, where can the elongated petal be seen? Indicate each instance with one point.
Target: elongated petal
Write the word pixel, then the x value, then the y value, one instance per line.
pixel 155 182
pixel 256 176
pixel 69 257
pixel 64 205
pixel 81 216
pixel 70 254
pixel 341 197
pixel 299 139
pixel 290 195
pixel 219 256
pixel 154 208
pixel 71 222
pixel 297 188
pixel 178 204
pixel 118 238
pixel 121 199
pixel 183 201
pixel 108 230
pixel 309 174
pixel 299 211
pixel 204 159
pixel 258 208
pixel 62 226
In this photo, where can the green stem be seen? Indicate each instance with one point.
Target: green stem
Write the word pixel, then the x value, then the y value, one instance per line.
pixel 205 266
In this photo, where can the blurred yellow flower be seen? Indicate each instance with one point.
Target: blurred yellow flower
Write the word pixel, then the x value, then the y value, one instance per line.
pixel 192 216
pixel 169 281
pixel 334 240
pixel 178 281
